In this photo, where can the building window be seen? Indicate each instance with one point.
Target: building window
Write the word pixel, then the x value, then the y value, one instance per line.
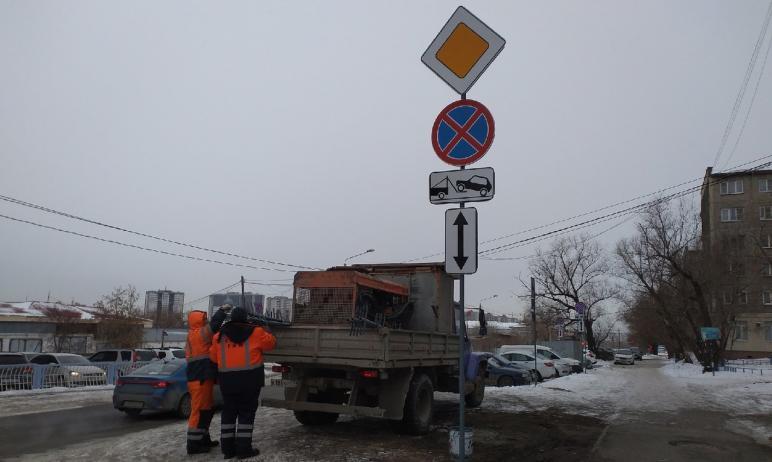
pixel 736 268
pixel 765 212
pixel 766 297
pixel 766 270
pixel 32 345
pixel 768 331
pixel 766 241
pixel 742 297
pixel 765 185
pixel 732 214
pixel 731 187
pixel 741 330
pixel 727 298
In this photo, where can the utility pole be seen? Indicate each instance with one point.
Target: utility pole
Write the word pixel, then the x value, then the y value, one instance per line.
pixel 533 320
pixel 243 297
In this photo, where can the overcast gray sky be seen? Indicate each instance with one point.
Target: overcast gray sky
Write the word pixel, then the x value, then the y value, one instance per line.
pixel 299 131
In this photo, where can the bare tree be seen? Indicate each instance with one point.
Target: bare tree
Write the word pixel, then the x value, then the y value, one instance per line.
pixel 120 325
pixel 666 267
pixel 67 325
pixel 574 269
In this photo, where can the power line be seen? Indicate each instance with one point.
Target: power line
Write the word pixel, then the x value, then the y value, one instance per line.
pixel 150 236
pixel 753 99
pixel 110 241
pixel 591 212
pixel 744 86
pixel 213 293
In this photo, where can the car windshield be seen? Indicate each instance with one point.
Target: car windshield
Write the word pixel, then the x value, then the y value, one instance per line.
pixel 624 351
pixel 179 354
pixel 160 368
pixel 74 359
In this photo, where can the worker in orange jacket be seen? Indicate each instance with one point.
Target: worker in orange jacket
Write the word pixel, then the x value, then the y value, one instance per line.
pixel 237 350
pixel 201 375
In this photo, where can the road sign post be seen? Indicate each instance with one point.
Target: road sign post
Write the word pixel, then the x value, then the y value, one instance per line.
pixel 461 135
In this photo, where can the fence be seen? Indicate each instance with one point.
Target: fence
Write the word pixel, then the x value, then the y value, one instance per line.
pixel 762 366
pixel 36 376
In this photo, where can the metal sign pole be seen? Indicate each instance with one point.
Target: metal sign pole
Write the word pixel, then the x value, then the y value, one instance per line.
pixel 461 354
pixel 533 322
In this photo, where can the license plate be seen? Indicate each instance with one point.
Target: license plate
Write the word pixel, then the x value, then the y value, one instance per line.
pixel 283 383
pixel 133 404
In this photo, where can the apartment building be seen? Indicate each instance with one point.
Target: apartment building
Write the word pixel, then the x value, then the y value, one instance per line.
pixel 160 304
pixel 736 213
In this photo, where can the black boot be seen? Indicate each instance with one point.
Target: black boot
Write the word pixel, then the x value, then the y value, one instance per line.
pixel 203 423
pixel 251 452
pixel 207 441
pixel 197 447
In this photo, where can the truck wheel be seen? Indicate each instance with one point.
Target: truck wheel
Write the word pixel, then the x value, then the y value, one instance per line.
pixel 419 406
pixel 475 398
pixel 316 418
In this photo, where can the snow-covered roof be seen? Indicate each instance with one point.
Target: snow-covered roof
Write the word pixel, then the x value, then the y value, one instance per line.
pixel 38 309
pixel 496 325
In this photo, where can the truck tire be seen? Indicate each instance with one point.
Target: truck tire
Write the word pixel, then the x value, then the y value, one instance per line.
pixel 475 398
pixel 419 406
pixel 313 418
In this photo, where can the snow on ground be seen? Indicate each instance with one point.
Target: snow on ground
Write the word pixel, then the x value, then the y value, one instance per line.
pixel 20 402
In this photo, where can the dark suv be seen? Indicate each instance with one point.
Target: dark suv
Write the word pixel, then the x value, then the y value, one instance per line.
pixel 15 373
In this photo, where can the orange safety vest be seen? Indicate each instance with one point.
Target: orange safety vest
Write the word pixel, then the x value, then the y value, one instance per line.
pixel 199 339
pixel 230 356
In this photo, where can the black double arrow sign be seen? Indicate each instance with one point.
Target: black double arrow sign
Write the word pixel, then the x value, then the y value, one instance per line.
pixel 460 257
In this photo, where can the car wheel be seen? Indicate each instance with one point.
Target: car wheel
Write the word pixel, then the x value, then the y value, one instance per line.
pixel 505 381
pixel 539 378
pixel 460 187
pixel 183 409
pixel 483 192
pixel 557 373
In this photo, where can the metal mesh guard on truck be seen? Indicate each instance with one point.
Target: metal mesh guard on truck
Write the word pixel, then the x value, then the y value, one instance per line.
pixel 323 306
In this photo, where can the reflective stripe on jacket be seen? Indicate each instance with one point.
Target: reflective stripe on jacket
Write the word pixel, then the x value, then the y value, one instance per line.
pixel 230 356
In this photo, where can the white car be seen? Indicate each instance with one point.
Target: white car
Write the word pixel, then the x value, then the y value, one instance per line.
pixel 68 370
pixel 624 356
pixel 544 368
pixel 169 353
pixel 563 365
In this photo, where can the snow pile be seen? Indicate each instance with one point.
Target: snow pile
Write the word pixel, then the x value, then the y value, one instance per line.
pixel 39 309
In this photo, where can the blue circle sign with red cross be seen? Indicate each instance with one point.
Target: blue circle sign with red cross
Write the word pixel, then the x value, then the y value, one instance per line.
pixel 463 132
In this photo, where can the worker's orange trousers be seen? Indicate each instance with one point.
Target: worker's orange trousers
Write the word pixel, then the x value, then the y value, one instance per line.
pixel 201 399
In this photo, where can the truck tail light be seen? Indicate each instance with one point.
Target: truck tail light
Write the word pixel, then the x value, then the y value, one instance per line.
pixel 369 374
pixel 161 384
pixel 280 368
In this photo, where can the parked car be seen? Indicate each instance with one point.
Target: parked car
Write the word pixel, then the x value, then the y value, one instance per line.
pixel 169 353
pixel 605 354
pixel 637 353
pixel 662 352
pixel 544 368
pixel 120 355
pixel 624 356
pixel 563 365
pixel 158 386
pixel 504 373
pixel 69 370
pixel 590 356
pixel 16 374
pixel 475 183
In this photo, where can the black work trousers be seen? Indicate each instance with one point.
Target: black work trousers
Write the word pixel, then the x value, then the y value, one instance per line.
pixel 238 419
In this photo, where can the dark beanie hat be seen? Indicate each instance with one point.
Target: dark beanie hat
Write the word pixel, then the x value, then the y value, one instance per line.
pixel 239 314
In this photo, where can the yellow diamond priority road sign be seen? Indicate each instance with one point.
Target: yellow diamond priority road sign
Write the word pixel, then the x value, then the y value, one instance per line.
pixel 462 50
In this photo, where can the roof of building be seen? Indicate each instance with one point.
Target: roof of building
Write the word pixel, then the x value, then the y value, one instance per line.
pixel 37 309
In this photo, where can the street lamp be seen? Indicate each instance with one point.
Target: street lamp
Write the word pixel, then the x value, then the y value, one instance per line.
pixel 357 255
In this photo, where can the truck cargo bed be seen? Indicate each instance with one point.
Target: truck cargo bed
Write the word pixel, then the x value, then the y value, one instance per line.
pixel 380 348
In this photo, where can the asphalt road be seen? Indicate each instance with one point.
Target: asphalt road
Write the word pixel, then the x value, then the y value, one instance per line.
pixel 35 433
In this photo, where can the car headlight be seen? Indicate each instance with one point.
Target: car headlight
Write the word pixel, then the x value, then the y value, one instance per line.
pixel 103 374
pixel 74 373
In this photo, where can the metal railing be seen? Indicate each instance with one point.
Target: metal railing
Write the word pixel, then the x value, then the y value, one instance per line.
pixel 36 376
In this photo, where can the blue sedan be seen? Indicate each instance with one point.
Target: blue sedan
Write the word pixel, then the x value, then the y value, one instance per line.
pixel 159 386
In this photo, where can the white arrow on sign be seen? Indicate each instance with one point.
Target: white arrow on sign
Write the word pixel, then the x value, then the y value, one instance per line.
pixel 461 241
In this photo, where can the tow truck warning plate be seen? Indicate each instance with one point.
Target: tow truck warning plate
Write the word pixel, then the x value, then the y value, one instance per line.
pixel 454 186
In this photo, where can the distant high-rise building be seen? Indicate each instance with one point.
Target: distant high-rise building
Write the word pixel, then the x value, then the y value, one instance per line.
pixel 279 307
pixel 163 302
pixel 254 301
